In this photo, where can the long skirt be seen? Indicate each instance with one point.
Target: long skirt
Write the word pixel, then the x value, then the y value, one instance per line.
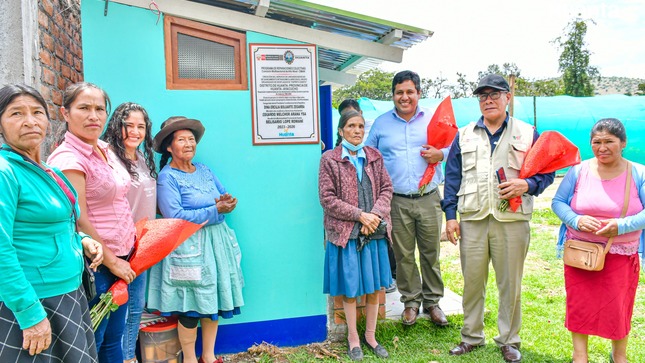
pixel 201 278
pixel 601 302
pixel 72 335
pixel 351 273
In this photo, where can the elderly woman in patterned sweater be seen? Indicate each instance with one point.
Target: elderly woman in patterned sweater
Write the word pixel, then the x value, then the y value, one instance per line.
pixel 355 192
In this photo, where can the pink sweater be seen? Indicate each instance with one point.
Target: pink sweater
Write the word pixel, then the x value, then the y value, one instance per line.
pixel 338 192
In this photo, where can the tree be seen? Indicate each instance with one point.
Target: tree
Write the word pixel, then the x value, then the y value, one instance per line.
pixel 463 88
pixel 433 88
pixel 543 87
pixel 374 84
pixel 641 89
pixel 574 60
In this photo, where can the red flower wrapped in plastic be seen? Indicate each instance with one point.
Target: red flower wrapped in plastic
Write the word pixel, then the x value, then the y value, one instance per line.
pixel 441 131
pixel 552 151
pixel 155 239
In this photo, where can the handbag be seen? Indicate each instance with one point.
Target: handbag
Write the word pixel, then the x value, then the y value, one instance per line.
pixel 89 281
pixel 590 256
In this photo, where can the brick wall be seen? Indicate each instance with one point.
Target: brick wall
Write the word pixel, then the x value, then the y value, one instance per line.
pixel 337 327
pixel 61 57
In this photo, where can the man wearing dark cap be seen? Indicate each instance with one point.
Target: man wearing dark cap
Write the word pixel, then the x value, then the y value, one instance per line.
pixel 482 174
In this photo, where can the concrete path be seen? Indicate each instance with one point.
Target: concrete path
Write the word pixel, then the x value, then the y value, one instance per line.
pixel 450 304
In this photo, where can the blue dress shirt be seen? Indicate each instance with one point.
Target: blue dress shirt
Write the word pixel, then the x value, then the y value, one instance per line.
pixel 400 142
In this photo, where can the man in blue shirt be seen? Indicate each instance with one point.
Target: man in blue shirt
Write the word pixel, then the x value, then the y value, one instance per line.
pixel 482 174
pixel 401 136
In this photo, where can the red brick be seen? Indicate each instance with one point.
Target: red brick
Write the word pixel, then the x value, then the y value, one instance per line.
pixel 54 31
pixel 43 19
pixel 47 6
pixel 48 42
pixel 339 318
pixel 381 297
pixel 338 302
pixel 44 91
pixel 55 66
pixel 57 97
pixel 49 77
pixel 53 112
pixel 65 71
pixel 61 82
pixel 78 65
pixel 381 312
pixel 45 57
pixel 77 50
pixel 65 40
pixel 69 57
pixel 59 50
pixel 57 18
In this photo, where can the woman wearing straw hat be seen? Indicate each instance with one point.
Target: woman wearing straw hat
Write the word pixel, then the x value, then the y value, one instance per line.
pixel 201 280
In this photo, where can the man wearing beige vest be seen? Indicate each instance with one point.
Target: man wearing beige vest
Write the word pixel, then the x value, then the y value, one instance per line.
pixel 482 173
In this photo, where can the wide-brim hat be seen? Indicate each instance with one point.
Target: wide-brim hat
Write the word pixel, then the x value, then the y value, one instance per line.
pixel 494 81
pixel 173 124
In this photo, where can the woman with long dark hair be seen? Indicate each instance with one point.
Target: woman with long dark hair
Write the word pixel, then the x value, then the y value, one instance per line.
pixel 129 136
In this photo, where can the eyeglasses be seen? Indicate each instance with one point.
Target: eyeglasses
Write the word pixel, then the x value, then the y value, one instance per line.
pixel 495 95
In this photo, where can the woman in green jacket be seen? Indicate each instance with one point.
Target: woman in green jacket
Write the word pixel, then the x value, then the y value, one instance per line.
pixel 43 310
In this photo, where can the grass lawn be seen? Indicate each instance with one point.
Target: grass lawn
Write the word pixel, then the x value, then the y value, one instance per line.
pixel 544 338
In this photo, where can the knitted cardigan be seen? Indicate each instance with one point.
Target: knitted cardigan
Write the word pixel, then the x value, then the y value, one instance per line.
pixel 338 193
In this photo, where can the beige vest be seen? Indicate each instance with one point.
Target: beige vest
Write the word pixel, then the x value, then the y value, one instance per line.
pixel 479 194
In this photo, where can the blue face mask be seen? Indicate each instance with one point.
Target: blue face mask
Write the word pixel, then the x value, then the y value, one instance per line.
pixel 351 147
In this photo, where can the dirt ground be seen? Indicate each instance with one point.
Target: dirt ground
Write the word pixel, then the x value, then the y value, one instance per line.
pixel 263 351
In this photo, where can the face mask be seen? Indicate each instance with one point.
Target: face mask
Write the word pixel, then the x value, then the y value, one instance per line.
pixel 351 147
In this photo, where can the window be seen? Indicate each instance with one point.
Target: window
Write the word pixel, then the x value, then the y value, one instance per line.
pixel 200 56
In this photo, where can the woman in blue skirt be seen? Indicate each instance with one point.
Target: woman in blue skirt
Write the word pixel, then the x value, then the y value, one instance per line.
pixel 355 193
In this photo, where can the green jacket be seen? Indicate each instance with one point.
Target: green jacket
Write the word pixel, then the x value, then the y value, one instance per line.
pixel 40 252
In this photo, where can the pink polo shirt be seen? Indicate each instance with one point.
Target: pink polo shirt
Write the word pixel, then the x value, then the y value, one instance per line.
pixel 106 188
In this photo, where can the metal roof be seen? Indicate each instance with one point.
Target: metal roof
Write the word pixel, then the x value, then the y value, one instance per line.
pixel 332 20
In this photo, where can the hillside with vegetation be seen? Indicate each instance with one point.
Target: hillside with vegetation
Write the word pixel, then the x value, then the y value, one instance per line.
pixel 617 85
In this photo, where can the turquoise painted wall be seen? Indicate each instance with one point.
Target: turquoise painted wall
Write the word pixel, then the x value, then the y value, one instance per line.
pixel 278 220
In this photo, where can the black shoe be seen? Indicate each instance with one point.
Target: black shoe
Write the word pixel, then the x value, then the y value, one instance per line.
pixel 355 353
pixel 378 350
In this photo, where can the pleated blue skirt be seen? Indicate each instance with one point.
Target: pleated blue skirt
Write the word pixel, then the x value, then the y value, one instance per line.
pixel 351 273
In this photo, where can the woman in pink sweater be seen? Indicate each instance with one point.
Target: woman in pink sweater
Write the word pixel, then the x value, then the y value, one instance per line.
pixel 355 192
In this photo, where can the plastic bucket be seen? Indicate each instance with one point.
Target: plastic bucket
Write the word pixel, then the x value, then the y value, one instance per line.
pixel 159 343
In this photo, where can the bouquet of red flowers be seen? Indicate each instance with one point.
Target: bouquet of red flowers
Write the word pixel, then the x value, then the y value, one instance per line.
pixel 155 239
pixel 440 132
pixel 552 151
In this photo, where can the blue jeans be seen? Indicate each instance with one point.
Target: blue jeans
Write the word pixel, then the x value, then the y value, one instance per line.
pixel 136 302
pixel 109 333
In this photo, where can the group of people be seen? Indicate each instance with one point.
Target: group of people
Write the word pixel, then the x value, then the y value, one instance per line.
pixel 98 182
pixel 101 179
pixel 366 185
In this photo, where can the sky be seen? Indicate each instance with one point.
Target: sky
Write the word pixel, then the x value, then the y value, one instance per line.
pixel 470 35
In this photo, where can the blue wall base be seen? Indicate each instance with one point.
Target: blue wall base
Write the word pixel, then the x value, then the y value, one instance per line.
pixel 235 338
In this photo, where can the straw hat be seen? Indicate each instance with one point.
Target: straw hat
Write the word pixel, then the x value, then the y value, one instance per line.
pixel 173 124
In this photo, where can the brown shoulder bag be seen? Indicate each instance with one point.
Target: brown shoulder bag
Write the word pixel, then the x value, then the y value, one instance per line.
pixel 590 256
